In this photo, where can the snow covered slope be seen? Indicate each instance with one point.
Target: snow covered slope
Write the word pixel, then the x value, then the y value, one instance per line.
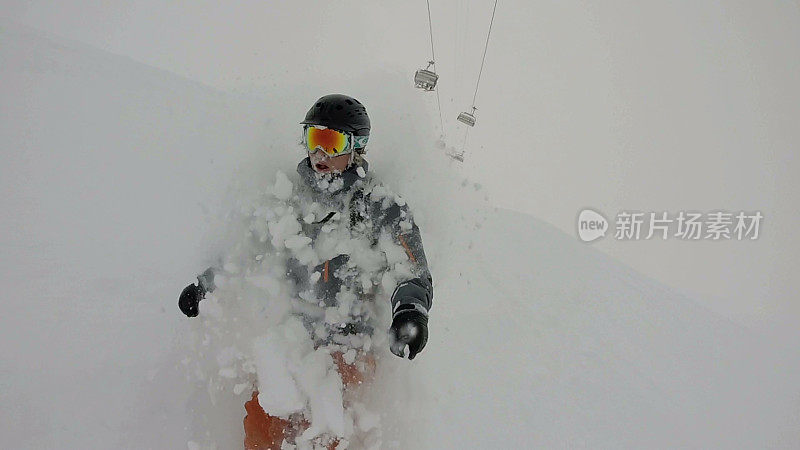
pixel 536 339
pixel 541 340
pixel 105 163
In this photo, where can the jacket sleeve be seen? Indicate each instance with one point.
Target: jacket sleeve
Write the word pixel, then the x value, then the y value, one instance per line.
pixel 415 293
pixel 206 280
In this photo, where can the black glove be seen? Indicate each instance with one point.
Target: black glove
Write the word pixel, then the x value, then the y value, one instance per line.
pixel 409 327
pixel 190 299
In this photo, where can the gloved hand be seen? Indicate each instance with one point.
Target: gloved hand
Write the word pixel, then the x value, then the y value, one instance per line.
pixel 190 299
pixel 409 327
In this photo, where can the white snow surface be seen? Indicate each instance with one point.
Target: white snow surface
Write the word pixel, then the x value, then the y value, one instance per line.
pixel 119 186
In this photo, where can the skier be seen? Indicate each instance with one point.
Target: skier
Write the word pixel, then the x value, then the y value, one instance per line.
pixel 334 174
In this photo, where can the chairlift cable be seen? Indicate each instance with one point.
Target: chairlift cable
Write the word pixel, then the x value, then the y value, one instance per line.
pixel 484 54
pixel 433 59
pixel 430 27
pixel 439 104
pixel 468 118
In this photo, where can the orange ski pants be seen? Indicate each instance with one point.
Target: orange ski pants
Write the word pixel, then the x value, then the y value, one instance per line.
pixel 263 431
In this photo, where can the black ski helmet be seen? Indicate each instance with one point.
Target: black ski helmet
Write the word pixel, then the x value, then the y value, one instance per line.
pixel 340 112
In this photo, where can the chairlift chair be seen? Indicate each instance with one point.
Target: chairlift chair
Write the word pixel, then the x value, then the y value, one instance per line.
pixel 468 118
pixel 458 156
pixel 426 79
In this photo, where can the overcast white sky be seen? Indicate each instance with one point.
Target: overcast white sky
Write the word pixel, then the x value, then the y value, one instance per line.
pixel 618 105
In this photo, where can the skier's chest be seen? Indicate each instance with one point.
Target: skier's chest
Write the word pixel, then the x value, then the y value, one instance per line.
pixel 329 224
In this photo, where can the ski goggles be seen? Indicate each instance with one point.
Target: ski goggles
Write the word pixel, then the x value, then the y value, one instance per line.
pixel 330 141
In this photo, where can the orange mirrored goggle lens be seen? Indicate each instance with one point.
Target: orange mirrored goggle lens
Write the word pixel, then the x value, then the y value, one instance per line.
pixel 330 141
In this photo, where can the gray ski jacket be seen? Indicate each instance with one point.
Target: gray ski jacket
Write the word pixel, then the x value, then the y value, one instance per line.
pixel 358 201
pixel 357 197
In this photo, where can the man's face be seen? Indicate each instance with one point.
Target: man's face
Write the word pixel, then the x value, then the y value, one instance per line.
pixel 322 163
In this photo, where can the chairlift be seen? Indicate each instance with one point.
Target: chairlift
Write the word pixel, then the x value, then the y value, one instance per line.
pixel 468 118
pixel 458 156
pixel 426 79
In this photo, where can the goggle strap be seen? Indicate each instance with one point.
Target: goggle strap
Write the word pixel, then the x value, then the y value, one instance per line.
pixel 360 141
